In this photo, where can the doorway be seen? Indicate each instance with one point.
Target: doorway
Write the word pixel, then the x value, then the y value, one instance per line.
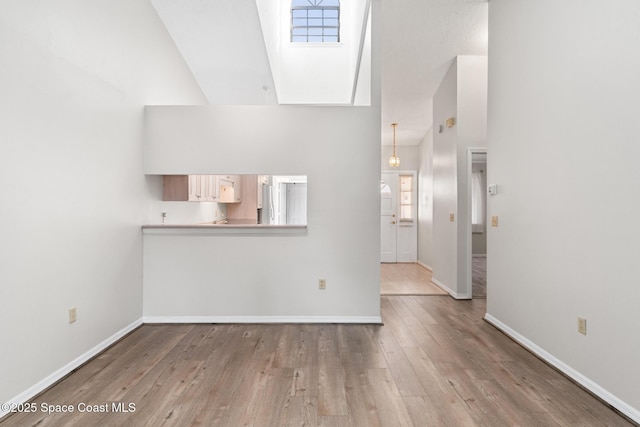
pixel 398 217
pixel 478 218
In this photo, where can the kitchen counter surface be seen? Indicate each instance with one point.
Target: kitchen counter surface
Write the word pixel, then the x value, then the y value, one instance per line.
pixel 233 227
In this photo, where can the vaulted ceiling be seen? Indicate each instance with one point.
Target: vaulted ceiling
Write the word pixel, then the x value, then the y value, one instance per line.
pixel 222 43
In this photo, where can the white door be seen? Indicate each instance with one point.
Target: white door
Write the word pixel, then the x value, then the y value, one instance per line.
pixel 407 232
pixel 398 217
pixel 388 219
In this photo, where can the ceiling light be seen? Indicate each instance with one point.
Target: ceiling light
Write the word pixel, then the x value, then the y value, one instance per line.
pixel 394 161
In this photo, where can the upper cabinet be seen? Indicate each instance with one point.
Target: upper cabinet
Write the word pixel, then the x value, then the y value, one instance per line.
pixel 229 188
pixel 202 188
pixel 187 188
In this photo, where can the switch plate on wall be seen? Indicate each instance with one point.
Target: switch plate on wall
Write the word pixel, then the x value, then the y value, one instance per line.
pixel 322 284
pixel 582 325
pixel 494 221
pixel 73 315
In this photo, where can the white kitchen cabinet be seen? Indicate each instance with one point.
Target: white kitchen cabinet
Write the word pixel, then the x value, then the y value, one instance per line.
pixel 228 189
pixel 189 188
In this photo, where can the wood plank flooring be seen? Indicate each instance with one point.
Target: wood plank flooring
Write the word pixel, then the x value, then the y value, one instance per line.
pixel 479 277
pixel 407 279
pixel 435 362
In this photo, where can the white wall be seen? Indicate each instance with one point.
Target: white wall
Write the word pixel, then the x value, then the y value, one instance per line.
pixel 409 158
pixel 471 129
pixel 74 78
pixel 445 105
pixel 563 131
pixel 425 200
pixel 222 43
pixel 462 95
pixel 336 147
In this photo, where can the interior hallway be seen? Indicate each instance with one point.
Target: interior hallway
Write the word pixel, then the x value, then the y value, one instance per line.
pixel 407 279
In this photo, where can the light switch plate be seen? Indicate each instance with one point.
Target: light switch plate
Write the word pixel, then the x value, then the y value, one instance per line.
pixel 582 325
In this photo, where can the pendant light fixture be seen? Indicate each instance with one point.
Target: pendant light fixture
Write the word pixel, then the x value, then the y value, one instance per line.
pixel 394 161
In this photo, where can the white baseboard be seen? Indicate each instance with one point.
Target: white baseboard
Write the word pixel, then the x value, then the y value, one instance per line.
pixel 69 367
pixel 445 288
pixel 263 319
pixel 620 405
pixel 428 267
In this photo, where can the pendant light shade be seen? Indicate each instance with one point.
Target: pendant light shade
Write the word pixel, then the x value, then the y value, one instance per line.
pixel 394 161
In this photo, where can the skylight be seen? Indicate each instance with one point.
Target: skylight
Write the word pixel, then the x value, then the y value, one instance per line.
pixel 315 21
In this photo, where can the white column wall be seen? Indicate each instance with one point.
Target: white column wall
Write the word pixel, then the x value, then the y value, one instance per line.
pixel 425 200
pixel 337 148
pixel 564 98
pixel 471 129
pixel 445 169
pixel 462 95
pixel 74 79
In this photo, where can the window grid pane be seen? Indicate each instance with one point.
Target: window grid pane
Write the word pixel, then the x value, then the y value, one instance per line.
pixel 315 21
pixel 406 198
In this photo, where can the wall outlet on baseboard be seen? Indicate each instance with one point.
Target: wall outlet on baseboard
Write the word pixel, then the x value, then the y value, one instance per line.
pixel 73 315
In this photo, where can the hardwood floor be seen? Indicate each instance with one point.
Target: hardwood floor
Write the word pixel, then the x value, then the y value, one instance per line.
pixel 407 279
pixel 435 362
pixel 479 277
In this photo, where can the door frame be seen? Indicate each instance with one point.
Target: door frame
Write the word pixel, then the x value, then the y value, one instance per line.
pixel 469 249
pixel 415 195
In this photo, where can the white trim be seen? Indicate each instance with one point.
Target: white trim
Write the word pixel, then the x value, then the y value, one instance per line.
pixel 446 289
pixel 576 376
pixel 56 376
pixel 468 250
pixel 422 264
pixel 363 35
pixel 263 319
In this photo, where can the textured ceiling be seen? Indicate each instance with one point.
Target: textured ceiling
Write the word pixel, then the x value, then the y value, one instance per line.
pixel 221 42
pixel 420 39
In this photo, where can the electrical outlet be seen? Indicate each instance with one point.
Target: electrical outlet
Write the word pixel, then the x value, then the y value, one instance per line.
pixel 322 284
pixel 452 216
pixel 582 325
pixel 73 315
pixel 494 221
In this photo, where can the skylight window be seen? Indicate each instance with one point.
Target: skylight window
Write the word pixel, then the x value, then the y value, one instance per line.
pixel 315 21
